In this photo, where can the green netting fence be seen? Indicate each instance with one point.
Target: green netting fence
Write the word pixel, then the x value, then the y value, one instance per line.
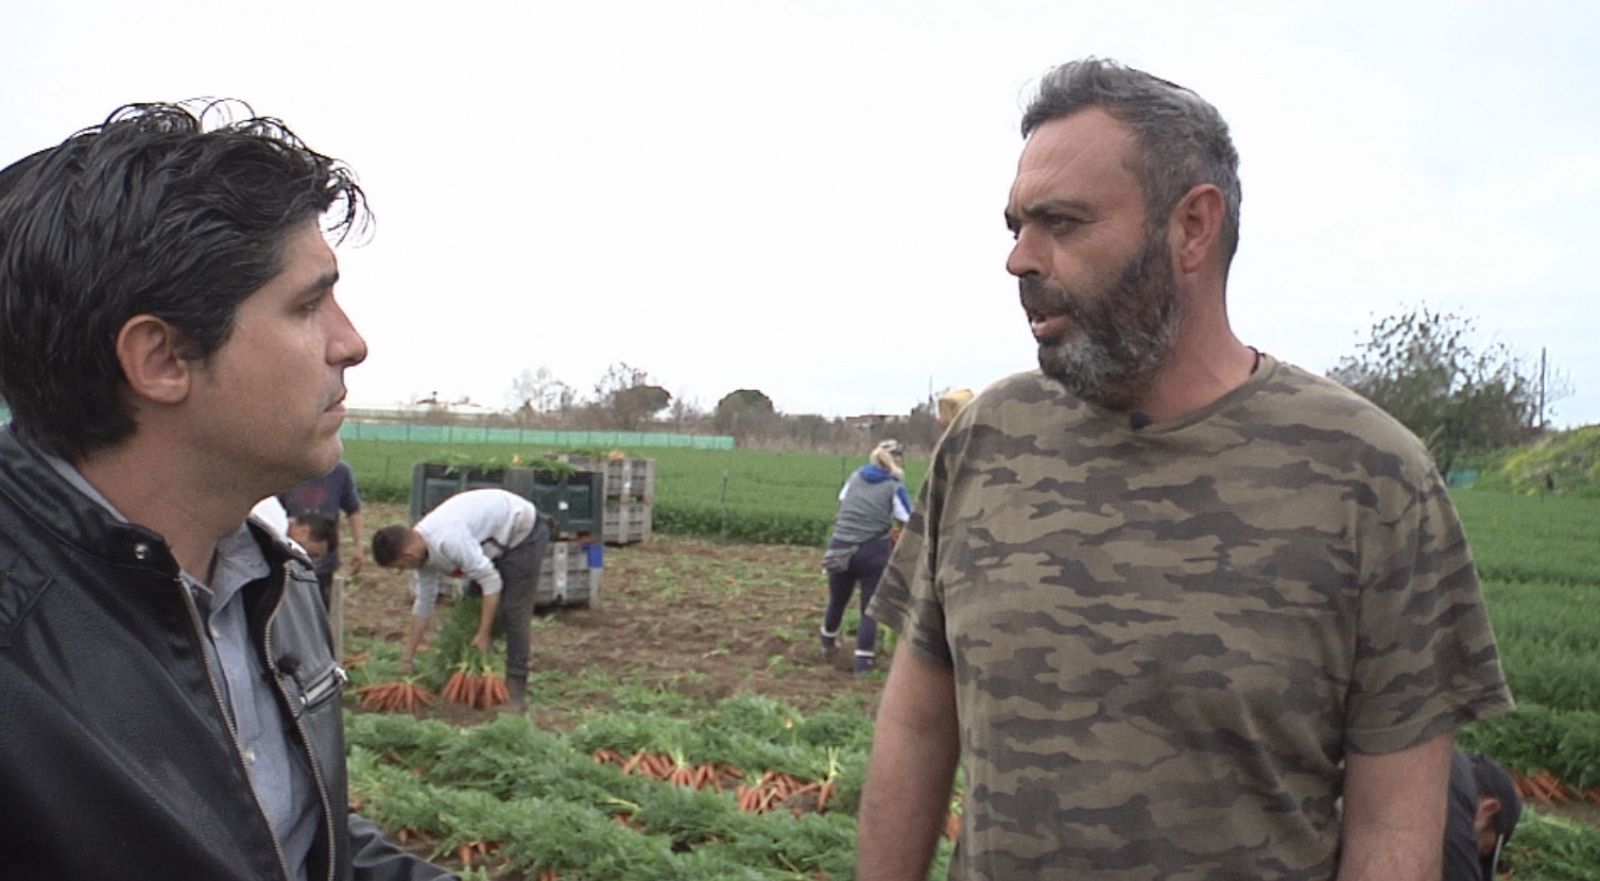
pixel 529 437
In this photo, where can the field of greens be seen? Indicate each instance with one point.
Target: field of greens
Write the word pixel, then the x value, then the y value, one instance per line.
pixel 513 801
pixel 1539 558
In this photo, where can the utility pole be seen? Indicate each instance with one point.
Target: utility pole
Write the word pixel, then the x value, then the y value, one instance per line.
pixel 1541 386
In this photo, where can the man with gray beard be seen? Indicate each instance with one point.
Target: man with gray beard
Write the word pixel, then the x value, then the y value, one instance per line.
pixel 1178 609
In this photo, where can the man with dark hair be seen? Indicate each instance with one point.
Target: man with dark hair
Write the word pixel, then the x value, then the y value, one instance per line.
pixel 172 353
pixel 326 496
pixel 313 533
pixel 1483 813
pixel 493 538
pixel 1178 609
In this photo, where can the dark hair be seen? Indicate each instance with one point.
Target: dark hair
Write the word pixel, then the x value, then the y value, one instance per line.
pixel 388 542
pixel 1494 782
pixel 179 211
pixel 319 528
pixel 1183 140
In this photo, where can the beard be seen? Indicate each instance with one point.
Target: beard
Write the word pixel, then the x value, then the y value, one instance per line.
pixel 1121 335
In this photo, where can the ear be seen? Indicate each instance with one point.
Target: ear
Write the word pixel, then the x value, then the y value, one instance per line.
pixel 1488 806
pixel 1197 226
pixel 147 350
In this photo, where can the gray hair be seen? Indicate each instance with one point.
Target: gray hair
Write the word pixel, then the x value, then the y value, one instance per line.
pixel 1183 141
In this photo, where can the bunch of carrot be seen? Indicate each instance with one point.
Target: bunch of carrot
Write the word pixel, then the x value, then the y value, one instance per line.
pixel 469 852
pixel 952 819
pixel 475 683
pixel 403 695
pixel 672 768
pixel 775 789
pixel 1543 787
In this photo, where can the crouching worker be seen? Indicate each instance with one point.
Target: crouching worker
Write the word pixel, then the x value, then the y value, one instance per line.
pixel 1483 811
pixel 316 536
pixel 492 538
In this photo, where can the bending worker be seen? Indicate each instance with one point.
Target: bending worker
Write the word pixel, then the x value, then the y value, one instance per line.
pixel 493 538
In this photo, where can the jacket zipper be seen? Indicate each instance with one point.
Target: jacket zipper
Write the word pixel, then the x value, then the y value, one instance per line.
pixel 233 732
pixel 299 726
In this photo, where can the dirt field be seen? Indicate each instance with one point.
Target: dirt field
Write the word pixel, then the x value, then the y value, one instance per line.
pixel 679 616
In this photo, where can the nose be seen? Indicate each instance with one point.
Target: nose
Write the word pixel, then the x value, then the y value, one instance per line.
pixel 346 347
pixel 1024 258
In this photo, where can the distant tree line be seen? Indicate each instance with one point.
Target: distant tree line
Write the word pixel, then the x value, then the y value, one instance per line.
pixel 627 398
pixel 1462 399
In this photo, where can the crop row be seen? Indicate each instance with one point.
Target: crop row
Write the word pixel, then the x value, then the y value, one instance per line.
pixel 505 797
pixel 511 796
pixel 1549 539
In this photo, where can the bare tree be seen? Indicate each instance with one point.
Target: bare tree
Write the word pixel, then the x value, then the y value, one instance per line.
pixel 535 393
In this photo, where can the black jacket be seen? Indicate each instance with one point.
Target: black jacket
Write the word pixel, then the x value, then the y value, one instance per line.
pixel 116 757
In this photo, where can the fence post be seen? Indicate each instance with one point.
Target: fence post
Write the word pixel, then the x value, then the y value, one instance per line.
pixel 723 532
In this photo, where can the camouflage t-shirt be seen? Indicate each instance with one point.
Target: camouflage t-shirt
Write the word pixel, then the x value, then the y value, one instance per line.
pixel 1165 640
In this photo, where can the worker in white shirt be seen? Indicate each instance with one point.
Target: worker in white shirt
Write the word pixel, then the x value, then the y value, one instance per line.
pixel 494 539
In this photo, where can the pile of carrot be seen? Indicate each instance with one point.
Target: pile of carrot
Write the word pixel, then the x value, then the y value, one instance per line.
pixel 671 769
pixel 467 851
pixel 475 682
pixel 402 695
pixel 477 690
pixel 952 819
pixel 1545 788
pixel 775 789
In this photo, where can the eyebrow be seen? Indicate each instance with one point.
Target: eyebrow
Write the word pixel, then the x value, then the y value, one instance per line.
pixel 322 284
pixel 1045 207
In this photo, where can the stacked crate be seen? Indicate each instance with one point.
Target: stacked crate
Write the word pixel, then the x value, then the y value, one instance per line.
pixel 629 486
pixel 569 575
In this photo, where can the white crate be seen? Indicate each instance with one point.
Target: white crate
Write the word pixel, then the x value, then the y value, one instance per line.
pixel 628 479
pixel 626 522
pixel 566 577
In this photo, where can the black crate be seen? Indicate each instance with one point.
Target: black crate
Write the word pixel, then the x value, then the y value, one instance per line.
pixel 574 500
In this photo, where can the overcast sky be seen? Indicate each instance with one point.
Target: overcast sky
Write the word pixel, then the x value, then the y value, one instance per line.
pixel 806 198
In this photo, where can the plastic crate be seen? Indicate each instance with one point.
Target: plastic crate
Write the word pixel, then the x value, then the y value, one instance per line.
pixel 628 479
pixel 626 523
pixel 575 501
pixel 569 575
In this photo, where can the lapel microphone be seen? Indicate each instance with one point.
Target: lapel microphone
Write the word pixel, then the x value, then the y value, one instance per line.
pixel 1138 419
